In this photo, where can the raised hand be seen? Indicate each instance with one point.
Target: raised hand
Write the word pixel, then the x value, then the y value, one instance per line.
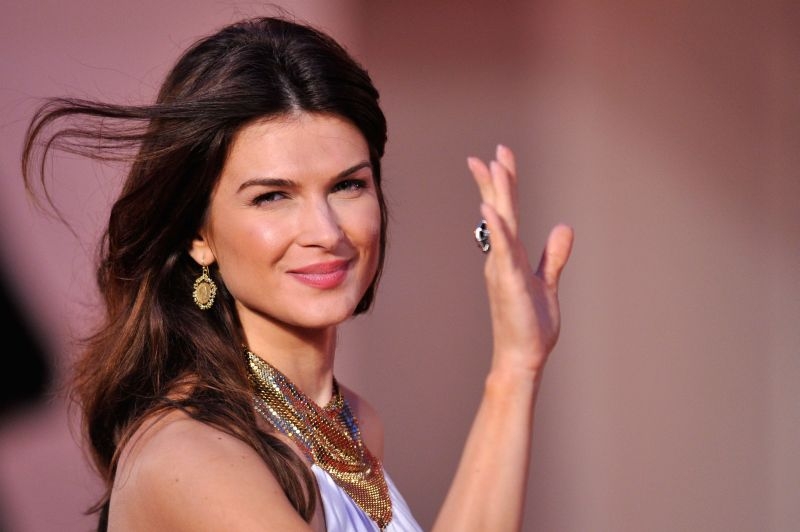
pixel 523 303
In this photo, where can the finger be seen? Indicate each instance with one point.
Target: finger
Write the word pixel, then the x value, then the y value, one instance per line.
pixel 483 178
pixel 505 195
pixel 499 232
pixel 555 254
pixel 509 205
pixel 506 157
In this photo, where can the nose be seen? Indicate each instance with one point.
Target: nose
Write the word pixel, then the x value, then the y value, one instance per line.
pixel 319 226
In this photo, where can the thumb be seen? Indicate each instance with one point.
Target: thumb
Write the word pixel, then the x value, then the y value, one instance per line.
pixel 556 253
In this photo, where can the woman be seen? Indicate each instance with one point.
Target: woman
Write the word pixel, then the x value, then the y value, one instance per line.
pixel 252 223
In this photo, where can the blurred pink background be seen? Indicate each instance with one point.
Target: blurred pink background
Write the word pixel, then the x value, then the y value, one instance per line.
pixel 666 133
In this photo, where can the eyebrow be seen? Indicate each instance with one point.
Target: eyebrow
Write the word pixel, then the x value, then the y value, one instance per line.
pixel 285 183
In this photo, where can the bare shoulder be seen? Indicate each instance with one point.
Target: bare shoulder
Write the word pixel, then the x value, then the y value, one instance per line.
pixel 181 474
pixel 369 420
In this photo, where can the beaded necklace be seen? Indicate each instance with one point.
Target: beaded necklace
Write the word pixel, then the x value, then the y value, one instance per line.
pixel 329 436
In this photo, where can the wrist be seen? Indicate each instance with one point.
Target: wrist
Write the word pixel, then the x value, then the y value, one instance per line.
pixel 512 383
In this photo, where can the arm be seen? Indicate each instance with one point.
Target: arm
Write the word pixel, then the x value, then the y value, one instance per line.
pixel 488 491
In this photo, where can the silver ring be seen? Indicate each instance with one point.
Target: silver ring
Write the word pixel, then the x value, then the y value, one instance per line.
pixel 482 236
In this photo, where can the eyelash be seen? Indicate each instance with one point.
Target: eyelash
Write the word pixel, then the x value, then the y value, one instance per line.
pixel 341 186
pixel 349 184
pixel 268 197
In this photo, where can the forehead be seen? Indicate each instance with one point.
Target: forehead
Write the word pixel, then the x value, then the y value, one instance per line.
pixel 294 146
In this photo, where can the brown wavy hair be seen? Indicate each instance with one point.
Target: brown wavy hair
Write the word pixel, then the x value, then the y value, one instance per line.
pixel 152 340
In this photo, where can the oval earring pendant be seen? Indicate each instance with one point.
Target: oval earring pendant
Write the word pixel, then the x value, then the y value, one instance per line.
pixel 205 290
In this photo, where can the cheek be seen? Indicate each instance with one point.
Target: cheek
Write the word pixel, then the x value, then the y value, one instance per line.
pixel 265 238
pixel 367 226
pixel 373 235
pixel 243 242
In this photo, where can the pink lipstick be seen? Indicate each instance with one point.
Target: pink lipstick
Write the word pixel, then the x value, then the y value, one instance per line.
pixel 323 275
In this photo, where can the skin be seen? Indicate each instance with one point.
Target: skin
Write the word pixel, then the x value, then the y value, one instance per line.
pixel 179 474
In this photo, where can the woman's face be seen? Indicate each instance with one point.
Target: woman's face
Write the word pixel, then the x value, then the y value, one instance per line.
pixel 294 221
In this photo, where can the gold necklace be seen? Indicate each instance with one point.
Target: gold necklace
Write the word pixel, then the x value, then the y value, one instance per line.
pixel 328 436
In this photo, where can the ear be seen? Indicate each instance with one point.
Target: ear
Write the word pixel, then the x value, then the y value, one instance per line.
pixel 201 251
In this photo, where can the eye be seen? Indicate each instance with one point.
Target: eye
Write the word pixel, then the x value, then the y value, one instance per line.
pixel 350 185
pixel 269 197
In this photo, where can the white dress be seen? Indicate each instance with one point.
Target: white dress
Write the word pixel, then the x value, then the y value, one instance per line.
pixel 342 514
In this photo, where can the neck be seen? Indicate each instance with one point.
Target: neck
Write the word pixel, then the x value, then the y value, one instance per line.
pixel 305 356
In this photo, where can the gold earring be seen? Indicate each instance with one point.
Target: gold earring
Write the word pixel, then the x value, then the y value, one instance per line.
pixel 204 290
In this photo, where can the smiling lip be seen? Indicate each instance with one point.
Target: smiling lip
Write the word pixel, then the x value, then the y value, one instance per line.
pixel 322 275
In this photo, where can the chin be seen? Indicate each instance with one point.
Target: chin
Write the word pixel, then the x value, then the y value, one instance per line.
pixel 325 318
